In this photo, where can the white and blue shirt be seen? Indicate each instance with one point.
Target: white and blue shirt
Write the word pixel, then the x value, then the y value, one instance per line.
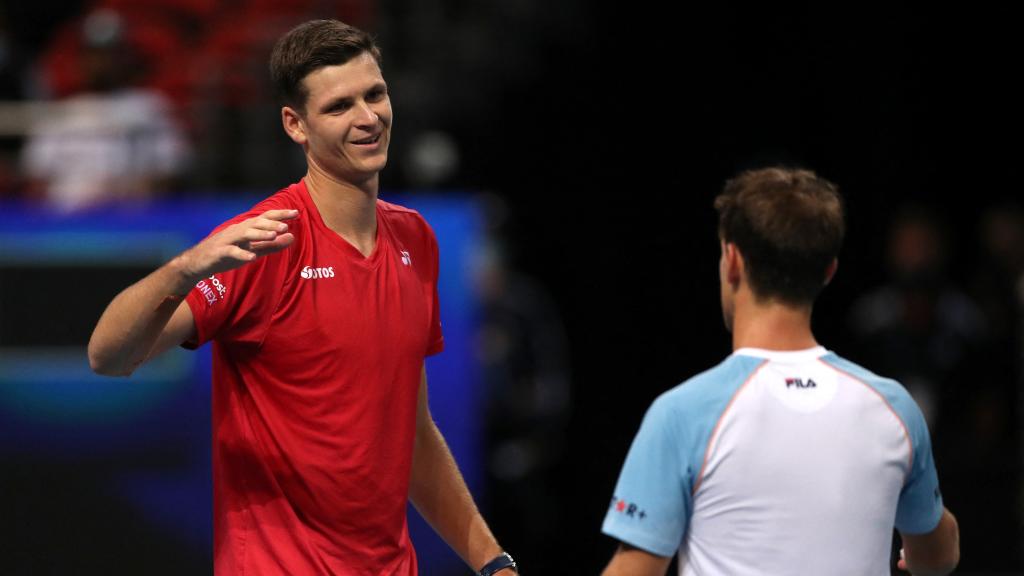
pixel 778 463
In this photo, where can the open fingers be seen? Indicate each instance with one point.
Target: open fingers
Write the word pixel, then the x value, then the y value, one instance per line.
pixel 256 235
pixel 263 248
pixel 257 229
pixel 240 254
pixel 262 223
pixel 279 215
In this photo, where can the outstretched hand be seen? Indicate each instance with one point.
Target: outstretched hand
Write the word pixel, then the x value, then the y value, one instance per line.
pixel 240 244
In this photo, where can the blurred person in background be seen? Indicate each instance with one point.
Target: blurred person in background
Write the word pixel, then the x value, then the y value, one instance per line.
pixel 114 140
pixel 919 327
pixel 523 352
pixel 923 329
pixel 990 426
pixel 322 304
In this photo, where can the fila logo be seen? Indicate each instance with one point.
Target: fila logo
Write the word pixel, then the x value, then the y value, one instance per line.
pixel 406 259
pixel 799 383
pixel 313 273
pixel 213 290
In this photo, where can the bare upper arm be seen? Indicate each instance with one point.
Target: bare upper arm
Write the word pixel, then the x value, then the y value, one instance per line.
pixel 179 329
pixel 630 561
pixel 423 416
pixel 937 552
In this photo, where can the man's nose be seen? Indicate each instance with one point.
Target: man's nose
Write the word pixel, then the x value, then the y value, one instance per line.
pixel 365 114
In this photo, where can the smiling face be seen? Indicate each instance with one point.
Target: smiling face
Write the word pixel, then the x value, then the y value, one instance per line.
pixel 345 126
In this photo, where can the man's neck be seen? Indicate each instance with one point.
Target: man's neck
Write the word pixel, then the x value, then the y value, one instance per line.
pixel 771 325
pixel 350 210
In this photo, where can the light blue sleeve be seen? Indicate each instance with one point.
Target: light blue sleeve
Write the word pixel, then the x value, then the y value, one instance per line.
pixel 652 502
pixel 919 508
pixel 920 504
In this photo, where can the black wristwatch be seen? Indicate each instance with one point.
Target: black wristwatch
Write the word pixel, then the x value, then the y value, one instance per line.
pixel 500 563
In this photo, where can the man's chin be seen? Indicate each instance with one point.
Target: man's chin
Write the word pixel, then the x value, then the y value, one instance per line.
pixel 363 172
pixel 373 165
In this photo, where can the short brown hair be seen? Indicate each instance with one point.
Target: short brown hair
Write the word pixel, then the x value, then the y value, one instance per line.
pixel 311 46
pixel 788 224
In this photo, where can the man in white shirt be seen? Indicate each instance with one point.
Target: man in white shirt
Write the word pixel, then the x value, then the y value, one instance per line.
pixel 784 458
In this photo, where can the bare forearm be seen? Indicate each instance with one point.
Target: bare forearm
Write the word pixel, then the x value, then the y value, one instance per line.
pixel 631 561
pixel 132 322
pixel 439 492
pixel 936 553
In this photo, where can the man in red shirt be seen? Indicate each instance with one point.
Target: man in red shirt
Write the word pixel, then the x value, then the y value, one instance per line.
pixel 322 303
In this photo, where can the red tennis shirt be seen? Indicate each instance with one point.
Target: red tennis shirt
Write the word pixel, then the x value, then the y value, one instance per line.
pixel 316 367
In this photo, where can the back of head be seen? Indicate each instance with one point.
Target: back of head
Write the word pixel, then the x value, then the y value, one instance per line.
pixel 788 225
pixel 309 47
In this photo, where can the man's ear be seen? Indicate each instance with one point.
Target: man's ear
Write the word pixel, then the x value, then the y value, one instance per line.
pixel 734 264
pixel 294 124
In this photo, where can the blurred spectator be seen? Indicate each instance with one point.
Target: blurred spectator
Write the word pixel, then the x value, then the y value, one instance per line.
pixel 112 141
pixel 1000 281
pixel 523 352
pixel 919 328
pixel 999 286
pixel 924 331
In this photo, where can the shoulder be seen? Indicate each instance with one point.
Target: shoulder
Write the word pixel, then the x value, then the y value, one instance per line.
pixel 406 222
pixel 284 199
pixel 716 383
pixel 702 399
pixel 891 391
pixel 402 214
pixel 887 387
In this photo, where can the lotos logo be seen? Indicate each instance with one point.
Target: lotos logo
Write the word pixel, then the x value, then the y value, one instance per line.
pixel 312 273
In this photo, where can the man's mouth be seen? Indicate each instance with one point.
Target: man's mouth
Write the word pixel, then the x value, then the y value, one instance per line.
pixel 370 140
